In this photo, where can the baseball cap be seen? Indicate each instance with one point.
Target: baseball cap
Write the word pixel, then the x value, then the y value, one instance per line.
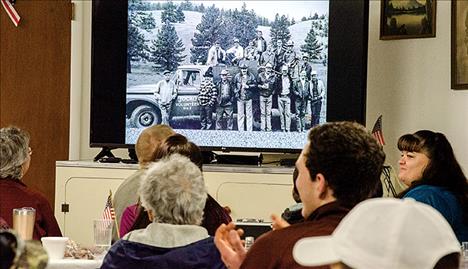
pixel 383 233
pixel 243 66
pixel 313 72
pixel 166 72
pixel 268 65
pixel 224 72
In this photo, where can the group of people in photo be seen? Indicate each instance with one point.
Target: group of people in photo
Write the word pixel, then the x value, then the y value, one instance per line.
pixel 257 75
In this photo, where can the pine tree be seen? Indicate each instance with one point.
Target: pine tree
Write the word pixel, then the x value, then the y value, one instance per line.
pixel 312 46
pixel 207 32
pixel 138 5
pixel 239 24
pixel 172 13
pixel 180 14
pixel 167 49
pixel 187 5
pixel 137 49
pixel 279 29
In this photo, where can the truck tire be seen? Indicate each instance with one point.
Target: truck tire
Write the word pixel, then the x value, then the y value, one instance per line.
pixel 144 116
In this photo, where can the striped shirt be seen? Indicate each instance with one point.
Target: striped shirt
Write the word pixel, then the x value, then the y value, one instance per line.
pixel 207 94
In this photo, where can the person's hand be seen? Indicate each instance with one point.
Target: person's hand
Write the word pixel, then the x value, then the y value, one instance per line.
pixel 278 222
pixel 227 240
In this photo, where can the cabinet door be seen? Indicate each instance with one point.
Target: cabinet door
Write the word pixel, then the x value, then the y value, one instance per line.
pixel 85 190
pixel 251 195
pixel 86 198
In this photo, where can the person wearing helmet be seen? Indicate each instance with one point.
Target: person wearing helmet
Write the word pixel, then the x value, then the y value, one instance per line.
pixel 245 84
pixel 317 92
pixel 260 45
pixel 290 59
pixel 235 53
pixel 268 57
pixel 224 102
pixel 304 64
pixel 279 54
pixel 165 94
pixel 250 51
pixel 266 84
pixel 301 90
pixel 206 100
pixel 284 99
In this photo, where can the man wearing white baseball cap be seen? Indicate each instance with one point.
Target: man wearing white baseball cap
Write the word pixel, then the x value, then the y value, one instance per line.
pixel 384 233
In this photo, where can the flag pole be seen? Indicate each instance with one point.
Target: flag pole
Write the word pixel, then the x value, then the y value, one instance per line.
pixel 115 217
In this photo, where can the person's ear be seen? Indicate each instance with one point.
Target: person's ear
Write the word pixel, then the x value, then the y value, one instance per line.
pixel 322 185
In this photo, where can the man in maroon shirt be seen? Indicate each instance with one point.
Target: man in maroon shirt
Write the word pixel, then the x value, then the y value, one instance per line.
pixel 15 157
pixel 339 167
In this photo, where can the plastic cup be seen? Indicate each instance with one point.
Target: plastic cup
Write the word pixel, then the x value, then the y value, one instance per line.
pixel 103 233
pixel 55 246
pixel 23 222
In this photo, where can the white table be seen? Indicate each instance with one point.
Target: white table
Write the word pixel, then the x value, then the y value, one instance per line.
pixel 70 263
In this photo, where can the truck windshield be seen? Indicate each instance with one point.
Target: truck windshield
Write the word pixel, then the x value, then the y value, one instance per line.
pixel 190 78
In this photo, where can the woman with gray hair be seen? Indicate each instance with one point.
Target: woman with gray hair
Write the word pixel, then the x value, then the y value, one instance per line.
pixel 15 157
pixel 174 194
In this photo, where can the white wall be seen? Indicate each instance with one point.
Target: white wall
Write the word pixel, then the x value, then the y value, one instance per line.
pixel 408 82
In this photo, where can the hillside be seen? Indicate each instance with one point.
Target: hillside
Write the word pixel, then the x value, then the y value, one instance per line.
pixel 185 31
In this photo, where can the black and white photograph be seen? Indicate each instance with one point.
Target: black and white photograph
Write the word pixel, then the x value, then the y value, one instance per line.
pixel 228 72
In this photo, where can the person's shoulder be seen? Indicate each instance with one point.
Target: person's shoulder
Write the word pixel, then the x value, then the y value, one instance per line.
pixel 36 195
pixel 424 190
pixel 429 193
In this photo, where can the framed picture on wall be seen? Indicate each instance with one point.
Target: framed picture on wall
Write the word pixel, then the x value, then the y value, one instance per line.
pixel 407 19
pixel 459 44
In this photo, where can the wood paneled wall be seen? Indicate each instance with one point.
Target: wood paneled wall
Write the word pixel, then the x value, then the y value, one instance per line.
pixel 35 84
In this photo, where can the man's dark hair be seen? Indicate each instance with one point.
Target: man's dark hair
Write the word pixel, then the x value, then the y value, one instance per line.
pixel 349 157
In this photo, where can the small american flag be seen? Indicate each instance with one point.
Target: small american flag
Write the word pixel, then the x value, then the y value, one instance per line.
pixel 10 10
pixel 377 131
pixel 109 213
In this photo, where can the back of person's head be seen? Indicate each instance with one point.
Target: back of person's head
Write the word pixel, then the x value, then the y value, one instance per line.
pixel 17 253
pixel 8 248
pixel 174 190
pixel 443 168
pixel 14 148
pixel 179 144
pixel 149 140
pixel 349 157
pixel 385 233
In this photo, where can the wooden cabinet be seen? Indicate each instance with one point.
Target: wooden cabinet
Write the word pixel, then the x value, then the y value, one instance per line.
pixel 82 188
